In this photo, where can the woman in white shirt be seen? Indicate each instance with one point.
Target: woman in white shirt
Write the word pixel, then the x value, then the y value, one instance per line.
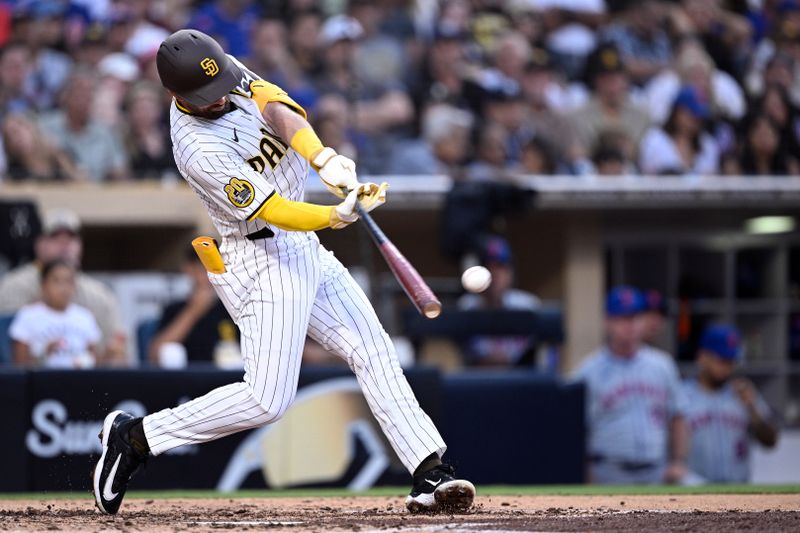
pixel 55 332
pixel 682 146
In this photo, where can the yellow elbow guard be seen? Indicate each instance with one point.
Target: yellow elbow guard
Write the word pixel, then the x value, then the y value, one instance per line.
pixel 296 216
pixel 306 143
pixel 264 92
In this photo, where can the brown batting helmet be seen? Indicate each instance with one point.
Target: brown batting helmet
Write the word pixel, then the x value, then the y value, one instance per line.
pixel 195 67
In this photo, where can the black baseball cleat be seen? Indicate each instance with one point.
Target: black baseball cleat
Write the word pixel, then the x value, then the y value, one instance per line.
pixel 437 490
pixel 117 464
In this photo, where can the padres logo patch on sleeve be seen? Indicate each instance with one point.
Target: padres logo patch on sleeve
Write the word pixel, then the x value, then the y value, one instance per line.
pixel 240 192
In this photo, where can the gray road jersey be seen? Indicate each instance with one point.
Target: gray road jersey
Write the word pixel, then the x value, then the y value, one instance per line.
pixel 629 403
pixel 719 429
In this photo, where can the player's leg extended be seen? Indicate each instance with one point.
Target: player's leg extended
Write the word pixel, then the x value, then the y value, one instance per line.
pixel 273 324
pixel 344 322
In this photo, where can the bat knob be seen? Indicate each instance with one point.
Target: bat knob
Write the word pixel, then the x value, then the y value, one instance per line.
pixel 432 309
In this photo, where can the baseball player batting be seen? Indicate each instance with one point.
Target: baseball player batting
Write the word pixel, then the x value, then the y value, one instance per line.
pixel 244 146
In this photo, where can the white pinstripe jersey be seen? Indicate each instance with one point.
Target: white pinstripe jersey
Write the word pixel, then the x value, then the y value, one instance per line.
pixel 235 162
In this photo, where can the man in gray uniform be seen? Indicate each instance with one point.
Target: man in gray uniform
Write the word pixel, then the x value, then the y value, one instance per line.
pixel 723 414
pixel 635 404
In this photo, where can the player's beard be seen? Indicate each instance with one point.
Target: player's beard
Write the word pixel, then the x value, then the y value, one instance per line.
pixel 716 383
pixel 214 112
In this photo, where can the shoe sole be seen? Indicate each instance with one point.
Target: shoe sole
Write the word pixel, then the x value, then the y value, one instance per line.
pixel 98 469
pixel 455 496
pixel 423 503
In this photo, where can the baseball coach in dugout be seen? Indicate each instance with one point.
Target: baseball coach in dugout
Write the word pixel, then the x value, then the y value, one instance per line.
pixel 244 146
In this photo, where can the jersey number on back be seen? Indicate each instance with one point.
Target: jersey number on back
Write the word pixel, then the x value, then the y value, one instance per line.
pixel 272 150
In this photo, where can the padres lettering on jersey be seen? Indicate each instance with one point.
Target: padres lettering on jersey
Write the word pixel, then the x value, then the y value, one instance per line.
pixel 272 151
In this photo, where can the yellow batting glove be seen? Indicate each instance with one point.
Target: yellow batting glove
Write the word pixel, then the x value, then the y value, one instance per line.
pixel 372 195
pixel 345 214
pixel 368 195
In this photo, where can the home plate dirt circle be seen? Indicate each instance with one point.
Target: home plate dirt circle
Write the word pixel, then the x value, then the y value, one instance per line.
pixel 709 513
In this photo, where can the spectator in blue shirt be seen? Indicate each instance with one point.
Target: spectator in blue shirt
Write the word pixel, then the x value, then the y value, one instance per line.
pixel 229 21
pixel 641 40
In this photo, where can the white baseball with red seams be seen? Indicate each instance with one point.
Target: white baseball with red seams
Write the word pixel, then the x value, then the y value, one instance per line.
pixel 476 279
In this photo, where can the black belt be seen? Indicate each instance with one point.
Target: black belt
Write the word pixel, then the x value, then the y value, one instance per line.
pixel 631 466
pixel 264 233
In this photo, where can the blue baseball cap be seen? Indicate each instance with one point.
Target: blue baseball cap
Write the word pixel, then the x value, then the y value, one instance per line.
pixel 496 250
pixel 723 340
pixel 41 9
pixel 624 301
pixel 687 97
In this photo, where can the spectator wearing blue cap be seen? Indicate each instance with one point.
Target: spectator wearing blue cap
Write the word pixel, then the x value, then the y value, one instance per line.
pixel 683 146
pixel 723 412
pixel 634 402
pixel 693 66
pixel 495 255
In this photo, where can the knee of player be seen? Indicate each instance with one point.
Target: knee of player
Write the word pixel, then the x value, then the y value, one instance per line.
pixel 276 412
pixel 272 405
pixel 372 356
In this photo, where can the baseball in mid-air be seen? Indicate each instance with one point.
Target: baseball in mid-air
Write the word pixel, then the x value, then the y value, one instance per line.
pixel 476 279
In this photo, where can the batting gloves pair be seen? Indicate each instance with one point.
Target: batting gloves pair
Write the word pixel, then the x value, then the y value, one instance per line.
pixel 369 195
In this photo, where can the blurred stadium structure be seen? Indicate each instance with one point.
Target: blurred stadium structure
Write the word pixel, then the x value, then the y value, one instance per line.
pixel 551 98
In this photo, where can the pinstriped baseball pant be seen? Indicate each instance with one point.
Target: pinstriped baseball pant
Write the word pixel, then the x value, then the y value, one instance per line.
pixel 296 290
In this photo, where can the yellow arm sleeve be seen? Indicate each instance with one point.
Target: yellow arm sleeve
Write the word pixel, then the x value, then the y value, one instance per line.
pixel 296 216
pixel 264 92
pixel 306 143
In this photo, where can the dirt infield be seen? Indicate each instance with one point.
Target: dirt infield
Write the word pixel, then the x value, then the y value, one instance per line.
pixel 707 513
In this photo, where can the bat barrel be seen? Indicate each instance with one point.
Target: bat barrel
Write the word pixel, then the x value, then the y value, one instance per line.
pixel 432 309
pixel 414 286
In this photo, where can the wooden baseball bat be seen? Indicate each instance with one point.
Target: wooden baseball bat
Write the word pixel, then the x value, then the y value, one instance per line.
pixel 415 287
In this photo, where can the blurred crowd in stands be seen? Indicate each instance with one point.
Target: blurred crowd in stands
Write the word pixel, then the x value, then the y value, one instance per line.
pixel 478 89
